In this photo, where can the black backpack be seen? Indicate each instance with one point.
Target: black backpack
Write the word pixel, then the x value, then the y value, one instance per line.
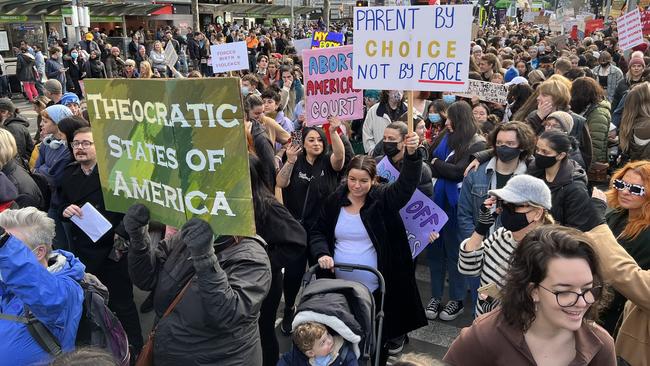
pixel 98 326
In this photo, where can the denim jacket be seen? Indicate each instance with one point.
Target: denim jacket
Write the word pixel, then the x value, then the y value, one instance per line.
pixel 474 192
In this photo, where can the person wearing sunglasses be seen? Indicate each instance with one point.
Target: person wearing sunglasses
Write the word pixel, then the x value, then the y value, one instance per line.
pixel 553 291
pixel 130 71
pixel 630 223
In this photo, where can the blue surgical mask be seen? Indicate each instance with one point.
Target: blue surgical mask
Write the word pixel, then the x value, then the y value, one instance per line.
pixel 449 98
pixel 244 91
pixel 74 55
pixel 434 117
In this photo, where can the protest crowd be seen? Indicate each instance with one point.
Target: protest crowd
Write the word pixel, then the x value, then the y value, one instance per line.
pixel 541 172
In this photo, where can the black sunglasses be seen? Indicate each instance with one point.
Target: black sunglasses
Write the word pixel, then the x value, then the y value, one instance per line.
pixel 634 189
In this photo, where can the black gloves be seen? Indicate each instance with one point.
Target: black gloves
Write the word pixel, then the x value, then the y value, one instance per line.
pixel 136 222
pixel 197 235
pixel 485 221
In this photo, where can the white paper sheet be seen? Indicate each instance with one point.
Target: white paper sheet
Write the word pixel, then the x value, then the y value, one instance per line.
pixel 93 223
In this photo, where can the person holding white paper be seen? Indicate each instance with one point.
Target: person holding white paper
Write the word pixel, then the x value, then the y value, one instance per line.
pixel 106 258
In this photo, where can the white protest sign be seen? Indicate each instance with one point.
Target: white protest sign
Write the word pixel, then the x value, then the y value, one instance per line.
pixel 171 57
pixel 486 91
pixel 529 16
pixel 229 57
pixel 630 32
pixel 412 47
pixel 302 44
pixel 4 43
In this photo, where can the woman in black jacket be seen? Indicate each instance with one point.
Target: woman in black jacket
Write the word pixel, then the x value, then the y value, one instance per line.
pixel 28 192
pixel 360 224
pixel 76 72
pixel 566 179
pixel 286 240
pixel 94 67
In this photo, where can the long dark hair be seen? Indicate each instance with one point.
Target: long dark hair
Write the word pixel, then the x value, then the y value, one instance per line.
pixel 464 126
pixel 262 196
pixel 529 267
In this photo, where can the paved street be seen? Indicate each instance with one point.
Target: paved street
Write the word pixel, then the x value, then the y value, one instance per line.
pixel 433 339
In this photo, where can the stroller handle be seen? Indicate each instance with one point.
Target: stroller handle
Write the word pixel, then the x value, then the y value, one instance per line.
pixel 347 267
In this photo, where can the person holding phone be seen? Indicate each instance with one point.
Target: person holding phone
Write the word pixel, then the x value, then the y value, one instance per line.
pixel 522 205
pixel 54 68
pixel 309 175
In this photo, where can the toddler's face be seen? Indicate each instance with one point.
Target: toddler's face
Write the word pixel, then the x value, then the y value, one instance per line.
pixel 323 346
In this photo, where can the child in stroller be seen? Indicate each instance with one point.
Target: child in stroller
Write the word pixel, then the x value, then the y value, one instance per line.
pixel 346 310
pixel 314 345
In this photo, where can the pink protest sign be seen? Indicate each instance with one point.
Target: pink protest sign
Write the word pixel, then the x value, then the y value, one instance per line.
pixel 420 216
pixel 328 85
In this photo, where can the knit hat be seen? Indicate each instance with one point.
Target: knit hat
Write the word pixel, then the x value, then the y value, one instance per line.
pixel 371 93
pixel 69 98
pixel 53 86
pixel 636 61
pixel 7 105
pixel 510 74
pixel 525 188
pixel 477 48
pixel 58 112
pixel 564 119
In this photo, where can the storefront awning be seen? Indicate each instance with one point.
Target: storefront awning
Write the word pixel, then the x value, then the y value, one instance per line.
pixel 256 10
pixel 121 9
pixel 35 7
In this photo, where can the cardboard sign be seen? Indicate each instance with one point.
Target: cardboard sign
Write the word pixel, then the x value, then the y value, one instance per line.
pixel 542 19
pixel 171 57
pixel 301 45
pixel 326 39
pixel 412 47
pixel 645 22
pixel 560 42
pixel 328 85
pixel 229 57
pixel 630 32
pixel 593 25
pixel 486 91
pixel 178 146
pixel 420 216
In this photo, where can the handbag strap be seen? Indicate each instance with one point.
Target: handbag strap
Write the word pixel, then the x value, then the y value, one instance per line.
pixel 177 299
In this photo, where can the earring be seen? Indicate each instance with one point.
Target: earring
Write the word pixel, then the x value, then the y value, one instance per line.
pixel 536 309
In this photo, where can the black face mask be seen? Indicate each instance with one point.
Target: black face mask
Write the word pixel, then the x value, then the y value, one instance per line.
pixel 507 153
pixel 390 148
pixel 513 221
pixel 542 161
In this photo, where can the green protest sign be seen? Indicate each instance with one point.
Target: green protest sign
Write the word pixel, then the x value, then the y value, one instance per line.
pixel 177 146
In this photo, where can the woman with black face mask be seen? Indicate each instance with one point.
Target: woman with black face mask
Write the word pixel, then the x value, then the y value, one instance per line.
pixel 521 205
pixel 566 179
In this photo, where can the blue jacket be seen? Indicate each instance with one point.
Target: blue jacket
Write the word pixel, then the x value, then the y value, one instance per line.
pixel 56 299
pixel 51 163
pixel 474 192
pixel 296 358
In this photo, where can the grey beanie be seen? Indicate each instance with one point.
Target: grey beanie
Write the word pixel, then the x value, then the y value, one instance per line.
pixel 7 105
pixel 53 86
pixel 565 120
pixel 525 188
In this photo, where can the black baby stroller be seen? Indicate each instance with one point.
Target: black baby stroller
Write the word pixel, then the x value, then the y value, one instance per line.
pixel 347 307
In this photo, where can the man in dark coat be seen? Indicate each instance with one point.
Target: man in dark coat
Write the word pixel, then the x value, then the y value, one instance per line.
pixel 18 126
pixel 105 258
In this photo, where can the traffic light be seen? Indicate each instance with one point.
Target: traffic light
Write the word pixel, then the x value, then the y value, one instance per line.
pixel 362 3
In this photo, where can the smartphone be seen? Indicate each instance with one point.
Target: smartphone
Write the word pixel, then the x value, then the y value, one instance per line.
pixel 296 138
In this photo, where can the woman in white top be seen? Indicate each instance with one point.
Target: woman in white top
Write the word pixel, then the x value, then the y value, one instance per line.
pixel 157 58
pixel 360 224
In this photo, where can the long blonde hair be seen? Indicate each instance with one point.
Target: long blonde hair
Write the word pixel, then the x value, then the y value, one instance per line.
pixel 147 73
pixel 637 105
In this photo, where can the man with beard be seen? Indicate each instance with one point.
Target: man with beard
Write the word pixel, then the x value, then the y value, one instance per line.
pixel 105 258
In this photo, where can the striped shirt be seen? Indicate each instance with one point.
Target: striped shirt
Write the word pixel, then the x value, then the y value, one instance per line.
pixel 490 261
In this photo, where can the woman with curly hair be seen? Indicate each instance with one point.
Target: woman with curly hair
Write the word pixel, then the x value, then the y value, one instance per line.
pixel 552 292
pixel 629 220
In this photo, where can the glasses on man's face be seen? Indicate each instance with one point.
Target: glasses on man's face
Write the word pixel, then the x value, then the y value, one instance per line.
pixel 634 189
pixel 569 298
pixel 83 144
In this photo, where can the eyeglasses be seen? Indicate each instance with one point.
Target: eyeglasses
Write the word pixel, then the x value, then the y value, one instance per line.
pixel 84 144
pixel 569 298
pixel 634 189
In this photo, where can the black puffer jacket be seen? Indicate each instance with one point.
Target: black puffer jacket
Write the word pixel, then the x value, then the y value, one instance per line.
pixel 29 195
pixel 570 199
pixel 215 322
pixel 19 128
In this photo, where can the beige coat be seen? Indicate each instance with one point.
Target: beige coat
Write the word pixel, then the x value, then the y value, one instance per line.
pixel 621 271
